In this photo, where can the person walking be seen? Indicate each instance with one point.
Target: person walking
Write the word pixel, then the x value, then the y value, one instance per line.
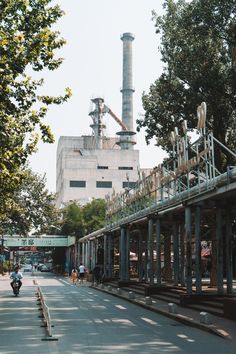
pixel 97 274
pixel 74 275
pixel 81 273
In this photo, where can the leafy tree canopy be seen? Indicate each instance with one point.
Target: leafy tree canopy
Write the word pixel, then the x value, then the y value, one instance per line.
pixel 94 215
pixel 198 48
pixel 33 208
pixel 27 44
pixel 73 222
pixel 81 220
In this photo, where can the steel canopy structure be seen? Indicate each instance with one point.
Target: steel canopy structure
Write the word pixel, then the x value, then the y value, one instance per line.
pixel 169 212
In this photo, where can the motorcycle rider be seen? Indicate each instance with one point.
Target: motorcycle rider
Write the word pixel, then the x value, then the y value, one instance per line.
pixel 16 275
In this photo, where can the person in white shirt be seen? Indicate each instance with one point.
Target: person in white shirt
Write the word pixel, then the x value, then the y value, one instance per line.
pixel 16 275
pixel 81 273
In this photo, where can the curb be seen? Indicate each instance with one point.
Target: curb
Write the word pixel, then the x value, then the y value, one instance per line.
pixel 177 317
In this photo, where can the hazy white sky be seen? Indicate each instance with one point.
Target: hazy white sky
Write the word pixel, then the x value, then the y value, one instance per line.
pixel 93 67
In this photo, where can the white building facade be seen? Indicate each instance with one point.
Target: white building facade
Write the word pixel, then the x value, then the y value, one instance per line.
pixel 85 173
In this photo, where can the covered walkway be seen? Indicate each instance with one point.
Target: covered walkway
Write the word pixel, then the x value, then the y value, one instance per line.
pixel 177 226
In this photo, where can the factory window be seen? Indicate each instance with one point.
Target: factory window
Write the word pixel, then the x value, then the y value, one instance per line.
pixel 102 167
pixel 80 184
pixel 104 184
pixel 129 184
pixel 125 168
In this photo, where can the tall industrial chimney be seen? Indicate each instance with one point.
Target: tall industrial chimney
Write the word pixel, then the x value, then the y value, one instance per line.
pixel 127 139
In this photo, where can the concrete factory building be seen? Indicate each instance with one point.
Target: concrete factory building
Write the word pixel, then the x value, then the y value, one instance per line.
pixel 93 166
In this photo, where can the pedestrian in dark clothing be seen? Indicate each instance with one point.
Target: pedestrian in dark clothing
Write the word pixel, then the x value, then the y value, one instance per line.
pixel 97 274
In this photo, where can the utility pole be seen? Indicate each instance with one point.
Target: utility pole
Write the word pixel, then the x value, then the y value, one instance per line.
pixel 2 253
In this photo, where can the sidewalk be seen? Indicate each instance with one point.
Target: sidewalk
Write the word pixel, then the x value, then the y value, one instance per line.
pixel 217 325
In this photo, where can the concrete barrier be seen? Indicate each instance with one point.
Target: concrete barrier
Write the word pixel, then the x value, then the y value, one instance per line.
pixel 131 295
pixel 46 315
pixel 172 307
pixel 148 300
pixel 119 291
pixel 205 318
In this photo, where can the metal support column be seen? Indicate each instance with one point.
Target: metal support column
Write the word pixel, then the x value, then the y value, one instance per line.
pixel 109 255
pixel 140 256
pixel 90 255
pixel 83 252
pixel 176 251
pixel 188 231
pixel 198 273
pixel 96 251
pixel 150 251
pixel 92 251
pixel 229 263
pixel 124 271
pixel 86 254
pixel 127 275
pixel 182 255
pixel 167 258
pixel 105 256
pixel 158 250
pixel 145 255
pixel 219 251
pixel 79 245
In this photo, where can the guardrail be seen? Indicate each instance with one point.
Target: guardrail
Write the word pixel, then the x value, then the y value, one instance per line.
pixel 46 314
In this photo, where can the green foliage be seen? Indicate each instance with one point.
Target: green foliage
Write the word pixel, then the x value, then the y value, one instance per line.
pixel 94 215
pixel 198 48
pixel 73 222
pixel 33 207
pixel 81 220
pixel 6 266
pixel 27 44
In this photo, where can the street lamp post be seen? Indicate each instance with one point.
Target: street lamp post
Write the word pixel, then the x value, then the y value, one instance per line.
pixel 2 253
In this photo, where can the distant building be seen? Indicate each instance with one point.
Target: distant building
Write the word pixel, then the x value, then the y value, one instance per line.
pixel 93 166
pixel 84 172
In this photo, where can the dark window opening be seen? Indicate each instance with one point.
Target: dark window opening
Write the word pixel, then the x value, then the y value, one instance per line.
pixel 129 184
pixel 125 168
pixel 80 184
pixel 104 184
pixel 102 167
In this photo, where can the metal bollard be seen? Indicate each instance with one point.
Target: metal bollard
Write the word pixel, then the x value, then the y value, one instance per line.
pixel 172 307
pixel 102 286
pixel 109 288
pixel 119 291
pixel 204 318
pixel 131 295
pixel 148 300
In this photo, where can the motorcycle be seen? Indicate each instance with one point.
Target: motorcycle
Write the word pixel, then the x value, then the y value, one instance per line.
pixel 16 287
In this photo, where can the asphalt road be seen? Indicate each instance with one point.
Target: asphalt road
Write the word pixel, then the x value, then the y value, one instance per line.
pixel 87 321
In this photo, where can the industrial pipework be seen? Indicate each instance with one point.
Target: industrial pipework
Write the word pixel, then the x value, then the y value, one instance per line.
pixel 97 116
pixel 126 135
